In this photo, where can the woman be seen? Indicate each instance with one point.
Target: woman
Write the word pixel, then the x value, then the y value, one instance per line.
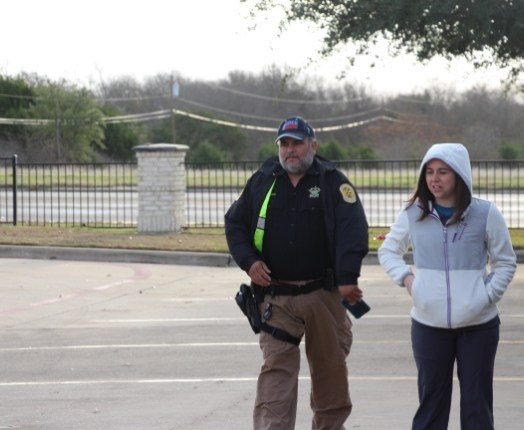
pixel 453 236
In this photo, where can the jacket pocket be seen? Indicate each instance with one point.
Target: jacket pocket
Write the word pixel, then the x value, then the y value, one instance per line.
pixel 470 299
pixel 415 291
pixel 430 295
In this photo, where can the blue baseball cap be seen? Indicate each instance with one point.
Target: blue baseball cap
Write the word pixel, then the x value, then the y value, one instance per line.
pixel 296 128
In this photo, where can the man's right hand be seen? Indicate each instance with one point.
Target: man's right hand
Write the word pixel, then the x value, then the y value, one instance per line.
pixel 259 273
pixel 351 292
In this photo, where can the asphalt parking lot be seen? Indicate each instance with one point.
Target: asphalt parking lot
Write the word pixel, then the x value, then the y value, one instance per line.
pixel 106 345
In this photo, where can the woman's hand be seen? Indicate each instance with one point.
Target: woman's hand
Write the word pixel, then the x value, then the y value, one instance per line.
pixel 408 282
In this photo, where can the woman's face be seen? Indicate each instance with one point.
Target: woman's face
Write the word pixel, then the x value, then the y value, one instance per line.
pixel 441 180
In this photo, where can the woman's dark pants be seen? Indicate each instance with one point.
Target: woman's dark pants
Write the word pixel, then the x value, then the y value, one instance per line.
pixel 435 351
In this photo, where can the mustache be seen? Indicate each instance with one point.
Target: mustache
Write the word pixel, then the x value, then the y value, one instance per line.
pixel 302 165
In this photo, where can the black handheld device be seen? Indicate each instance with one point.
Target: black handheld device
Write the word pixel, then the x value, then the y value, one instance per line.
pixel 357 309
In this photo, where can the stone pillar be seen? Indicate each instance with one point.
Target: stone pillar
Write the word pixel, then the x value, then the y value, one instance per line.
pixel 161 187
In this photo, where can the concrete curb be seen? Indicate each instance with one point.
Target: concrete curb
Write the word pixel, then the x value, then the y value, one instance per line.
pixel 116 255
pixel 210 259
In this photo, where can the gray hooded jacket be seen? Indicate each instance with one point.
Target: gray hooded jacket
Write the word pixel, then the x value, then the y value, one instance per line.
pixel 453 286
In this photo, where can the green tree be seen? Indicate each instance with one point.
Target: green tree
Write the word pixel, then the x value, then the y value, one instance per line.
pixel 205 152
pixel 508 151
pixel 74 128
pixel 428 28
pixel 360 152
pixel 332 150
pixel 267 150
pixel 160 132
pixel 120 138
pixel 232 141
pixel 16 96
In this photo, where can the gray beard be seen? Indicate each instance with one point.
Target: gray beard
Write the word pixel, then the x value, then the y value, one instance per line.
pixel 304 164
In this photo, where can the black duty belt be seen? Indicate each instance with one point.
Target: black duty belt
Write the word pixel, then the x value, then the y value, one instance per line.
pixel 294 289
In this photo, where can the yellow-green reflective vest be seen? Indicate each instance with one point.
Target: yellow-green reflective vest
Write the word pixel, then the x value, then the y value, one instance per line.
pixel 258 238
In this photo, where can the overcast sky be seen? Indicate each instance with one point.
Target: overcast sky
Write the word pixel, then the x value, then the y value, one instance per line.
pixel 87 42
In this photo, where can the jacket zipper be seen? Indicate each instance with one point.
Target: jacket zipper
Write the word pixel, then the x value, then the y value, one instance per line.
pixel 446 266
pixel 446 269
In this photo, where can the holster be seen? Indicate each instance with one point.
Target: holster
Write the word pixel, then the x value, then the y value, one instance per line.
pixel 248 300
pixel 248 305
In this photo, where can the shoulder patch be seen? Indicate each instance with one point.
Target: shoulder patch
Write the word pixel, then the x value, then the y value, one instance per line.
pixel 348 193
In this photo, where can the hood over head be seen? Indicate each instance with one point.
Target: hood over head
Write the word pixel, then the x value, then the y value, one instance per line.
pixel 453 154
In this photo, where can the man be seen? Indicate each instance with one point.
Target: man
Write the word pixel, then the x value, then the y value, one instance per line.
pixel 299 231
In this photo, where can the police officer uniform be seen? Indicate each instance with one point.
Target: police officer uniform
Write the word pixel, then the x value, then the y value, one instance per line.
pixel 315 237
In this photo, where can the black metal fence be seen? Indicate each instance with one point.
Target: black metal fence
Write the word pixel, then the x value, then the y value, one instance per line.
pixel 105 194
pixel 8 186
pixel 383 186
pixel 68 194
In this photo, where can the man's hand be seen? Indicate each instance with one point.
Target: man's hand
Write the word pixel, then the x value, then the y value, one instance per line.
pixel 351 292
pixel 259 273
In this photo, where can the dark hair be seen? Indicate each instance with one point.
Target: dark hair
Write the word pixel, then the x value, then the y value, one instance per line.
pixel 424 196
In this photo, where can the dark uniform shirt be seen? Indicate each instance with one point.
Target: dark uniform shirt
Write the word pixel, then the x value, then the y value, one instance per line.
pixel 295 245
pixel 346 230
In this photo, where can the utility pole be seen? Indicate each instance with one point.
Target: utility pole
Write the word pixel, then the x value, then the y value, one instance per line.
pixel 175 91
pixel 57 130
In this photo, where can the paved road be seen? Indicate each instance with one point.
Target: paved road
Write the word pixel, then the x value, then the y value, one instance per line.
pixel 101 345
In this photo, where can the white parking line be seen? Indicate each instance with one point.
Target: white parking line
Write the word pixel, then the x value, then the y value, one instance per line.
pixel 251 379
pixel 197 345
pixel 199 299
pixel 212 319
pixel 130 346
pixel 231 298
pixel 163 320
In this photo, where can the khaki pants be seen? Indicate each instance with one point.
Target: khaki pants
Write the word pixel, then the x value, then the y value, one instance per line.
pixel 328 339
